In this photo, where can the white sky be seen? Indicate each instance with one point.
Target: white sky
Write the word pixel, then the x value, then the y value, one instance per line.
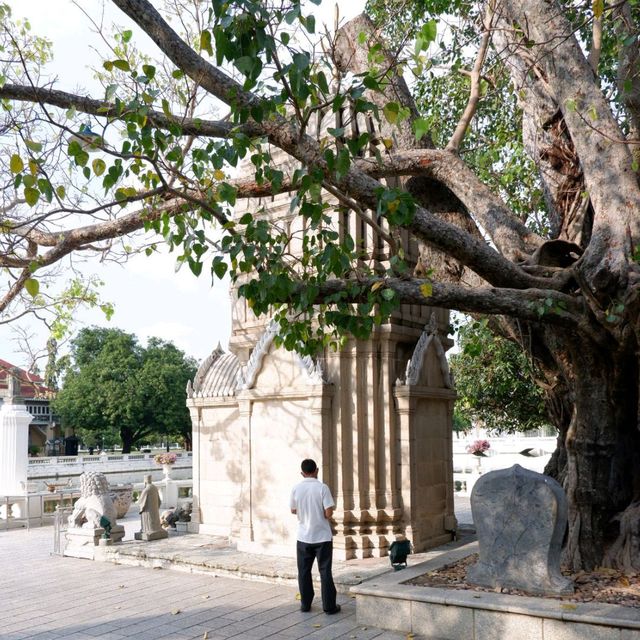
pixel 150 298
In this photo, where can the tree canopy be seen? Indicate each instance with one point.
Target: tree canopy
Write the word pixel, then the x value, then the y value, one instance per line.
pixel 512 167
pixel 119 391
pixel 495 382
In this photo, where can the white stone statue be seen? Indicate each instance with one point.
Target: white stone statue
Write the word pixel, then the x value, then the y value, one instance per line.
pixel 95 508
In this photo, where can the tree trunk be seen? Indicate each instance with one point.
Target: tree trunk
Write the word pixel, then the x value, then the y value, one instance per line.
pixel 601 448
pixel 126 435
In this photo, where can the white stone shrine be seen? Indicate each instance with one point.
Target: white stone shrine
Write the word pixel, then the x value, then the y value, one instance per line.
pixel 14 441
pixel 376 416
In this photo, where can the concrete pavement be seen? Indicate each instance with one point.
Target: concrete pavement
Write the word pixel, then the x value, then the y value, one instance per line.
pixel 48 597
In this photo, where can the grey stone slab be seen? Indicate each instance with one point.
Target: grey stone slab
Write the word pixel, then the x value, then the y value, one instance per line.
pixel 558 630
pixel 441 622
pixel 385 613
pixel 493 625
pixel 629 634
pixel 520 519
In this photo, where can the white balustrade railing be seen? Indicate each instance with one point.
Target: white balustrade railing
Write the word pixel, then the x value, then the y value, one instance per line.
pixel 124 467
pixel 83 459
pixel 38 508
pixel 528 452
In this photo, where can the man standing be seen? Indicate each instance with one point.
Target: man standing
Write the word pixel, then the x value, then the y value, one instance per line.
pixel 312 502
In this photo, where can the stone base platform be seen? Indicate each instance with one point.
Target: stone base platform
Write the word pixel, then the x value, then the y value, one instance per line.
pixel 447 614
pixel 84 542
pixel 198 553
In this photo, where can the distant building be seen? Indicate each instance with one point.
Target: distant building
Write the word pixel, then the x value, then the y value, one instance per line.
pixel 44 429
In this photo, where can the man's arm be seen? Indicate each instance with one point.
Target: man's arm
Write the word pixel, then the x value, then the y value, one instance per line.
pixel 328 512
pixel 294 511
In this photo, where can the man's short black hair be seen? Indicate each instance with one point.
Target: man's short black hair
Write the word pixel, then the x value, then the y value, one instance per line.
pixel 308 466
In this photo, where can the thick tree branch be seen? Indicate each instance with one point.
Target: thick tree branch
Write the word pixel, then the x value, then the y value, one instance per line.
pixel 85 104
pixel 605 164
pixel 65 242
pixel 284 134
pixel 596 45
pixel 629 62
pixel 530 304
pixel 15 289
pixel 210 78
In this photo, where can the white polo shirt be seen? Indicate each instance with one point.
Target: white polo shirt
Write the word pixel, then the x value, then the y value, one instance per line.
pixel 310 498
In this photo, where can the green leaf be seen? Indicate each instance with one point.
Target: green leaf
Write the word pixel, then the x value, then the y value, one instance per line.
pixel 99 166
pixel 420 127
pixel 301 60
pixel 31 195
pixel 110 92
pixel 310 24
pixel 149 70
pixel 205 42
pixel 15 164
pixel 36 147
pixel 123 65
pixel 177 74
pixel 219 267
pixel 426 36
pixel 32 286
pixel 388 294
pixel 391 111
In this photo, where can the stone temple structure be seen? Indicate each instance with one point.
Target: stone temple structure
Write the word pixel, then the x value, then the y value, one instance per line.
pixel 376 416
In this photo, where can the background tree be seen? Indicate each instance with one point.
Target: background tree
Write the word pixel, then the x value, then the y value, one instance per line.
pixel 524 199
pixel 496 382
pixel 116 388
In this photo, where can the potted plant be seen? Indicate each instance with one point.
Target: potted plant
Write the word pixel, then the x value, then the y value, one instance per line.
pixel 167 460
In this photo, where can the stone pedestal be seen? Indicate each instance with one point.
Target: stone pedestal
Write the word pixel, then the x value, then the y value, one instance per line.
pixel 154 535
pixel 169 494
pixel 14 441
pixel 82 542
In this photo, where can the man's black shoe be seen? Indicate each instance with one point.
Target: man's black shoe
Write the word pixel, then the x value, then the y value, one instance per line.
pixel 305 609
pixel 336 610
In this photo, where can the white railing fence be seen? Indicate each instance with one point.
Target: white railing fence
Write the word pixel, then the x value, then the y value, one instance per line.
pixel 529 452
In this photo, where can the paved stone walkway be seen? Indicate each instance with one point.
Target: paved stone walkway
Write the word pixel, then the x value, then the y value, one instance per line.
pixel 49 598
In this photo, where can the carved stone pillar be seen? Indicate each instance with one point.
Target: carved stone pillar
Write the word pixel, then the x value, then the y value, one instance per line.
pixel 244 423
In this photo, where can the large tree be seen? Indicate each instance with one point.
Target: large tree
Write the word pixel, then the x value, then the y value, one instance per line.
pixel 558 274
pixel 495 382
pixel 115 387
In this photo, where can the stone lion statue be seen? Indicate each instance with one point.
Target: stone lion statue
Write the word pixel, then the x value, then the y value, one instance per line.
pixel 95 508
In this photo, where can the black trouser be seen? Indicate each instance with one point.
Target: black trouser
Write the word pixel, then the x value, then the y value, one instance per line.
pixel 307 553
